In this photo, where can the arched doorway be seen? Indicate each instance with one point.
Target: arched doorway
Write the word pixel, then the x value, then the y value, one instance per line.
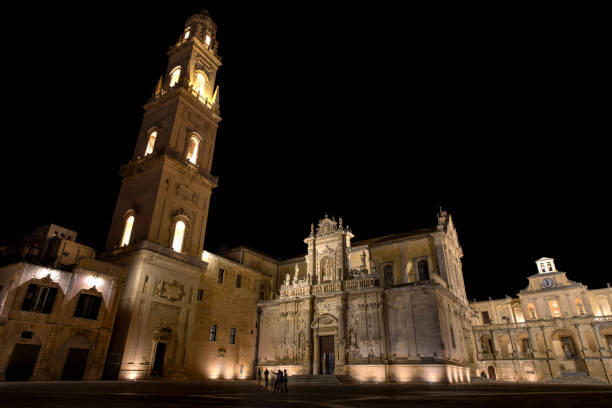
pixel 161 339
pixel 491 371
pixel 23 358
pixel 327 349
pixel 77 351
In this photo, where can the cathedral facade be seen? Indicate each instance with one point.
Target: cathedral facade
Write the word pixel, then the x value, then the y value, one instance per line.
pixel 387 309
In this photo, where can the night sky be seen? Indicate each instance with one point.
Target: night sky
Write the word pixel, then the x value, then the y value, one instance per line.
pixel 379 116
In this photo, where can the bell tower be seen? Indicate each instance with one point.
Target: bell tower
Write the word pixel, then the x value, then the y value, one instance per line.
pixel 158 226
pixel 166 187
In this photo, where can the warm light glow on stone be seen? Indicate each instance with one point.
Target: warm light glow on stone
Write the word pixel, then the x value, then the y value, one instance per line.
pixel 179 234
pixel 192 151
pixel 127 230
pixel 151 142
pixel 94 280
pixel 207 40
pixel 187 34
pixel 200 82
pixel 174 76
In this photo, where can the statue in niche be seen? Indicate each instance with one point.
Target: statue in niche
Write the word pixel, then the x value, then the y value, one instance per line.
pixel 363 259
pixel 352 338
pixel 309 277
pixel 300 346
pixel 327 269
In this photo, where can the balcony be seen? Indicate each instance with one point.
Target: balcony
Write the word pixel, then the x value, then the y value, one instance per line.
pixel 545 323
pixel 487 356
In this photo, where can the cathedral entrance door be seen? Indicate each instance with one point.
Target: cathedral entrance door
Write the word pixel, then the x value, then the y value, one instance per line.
pixel 326 350
pixel 158 364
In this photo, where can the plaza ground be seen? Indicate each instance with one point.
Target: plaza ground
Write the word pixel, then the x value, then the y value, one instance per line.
pixel 152 394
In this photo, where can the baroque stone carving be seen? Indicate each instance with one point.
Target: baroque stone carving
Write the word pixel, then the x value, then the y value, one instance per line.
pixel 170 290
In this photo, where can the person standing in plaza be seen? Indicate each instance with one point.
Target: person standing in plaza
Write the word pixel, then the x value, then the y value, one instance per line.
pixel 259 376
pixel 285 382
pixel 278 384
pixel 266 373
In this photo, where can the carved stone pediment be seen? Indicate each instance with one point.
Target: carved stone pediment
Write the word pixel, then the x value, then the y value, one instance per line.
pixel 324 320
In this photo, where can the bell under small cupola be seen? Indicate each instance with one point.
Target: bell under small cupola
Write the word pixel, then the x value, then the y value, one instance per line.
pixel 546 265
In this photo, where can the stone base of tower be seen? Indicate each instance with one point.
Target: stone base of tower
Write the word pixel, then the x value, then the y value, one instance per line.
pixel 156 312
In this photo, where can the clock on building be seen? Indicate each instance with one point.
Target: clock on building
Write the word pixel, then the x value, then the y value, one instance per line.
pixel 548 283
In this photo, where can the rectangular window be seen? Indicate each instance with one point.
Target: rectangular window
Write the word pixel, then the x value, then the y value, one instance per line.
pixel 554 308
pixel 526 346
pixel 568 347
pixel 88 307
pixel 1 289
pixel 233 336
pixel 220 278
pixel 200 294
pixel 238 281
pixel 453 337
pixel 609 340
pixel 213 332
pixel 485 318
pixel 39 299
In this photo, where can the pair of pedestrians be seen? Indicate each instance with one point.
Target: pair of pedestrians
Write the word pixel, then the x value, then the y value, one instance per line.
pixel 280 384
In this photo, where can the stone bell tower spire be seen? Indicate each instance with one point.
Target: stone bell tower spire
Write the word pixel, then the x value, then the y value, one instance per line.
pixel 166 187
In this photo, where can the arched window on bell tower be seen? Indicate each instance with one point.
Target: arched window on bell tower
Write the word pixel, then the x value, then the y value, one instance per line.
pixel 179 236
pixel 199 83
pixel 192 149
pixel 127 230
pixel 175 74
pixel 423 269
pixel 151 142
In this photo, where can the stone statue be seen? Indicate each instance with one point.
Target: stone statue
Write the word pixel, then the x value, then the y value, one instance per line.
pixel 327 269
pixel 287 279
pixel 363 259
pixel 296 273
pixel 352 338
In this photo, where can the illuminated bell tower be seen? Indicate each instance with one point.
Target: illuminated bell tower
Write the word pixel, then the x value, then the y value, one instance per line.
pixel 166 187
pixel 158 226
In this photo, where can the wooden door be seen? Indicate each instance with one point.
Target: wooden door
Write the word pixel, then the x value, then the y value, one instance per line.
pixel 326 349
pixel 158 364
pixel 74 368
pixel 22 362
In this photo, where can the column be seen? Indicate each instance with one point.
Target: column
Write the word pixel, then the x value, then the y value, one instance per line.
pixel 315 360
pixel 600 341
pixel 382 332
pixel 309 339
pixel 403 265
pixel 583 348
pixel 341 357
pixel 548 350
pixel 496 346
pixel 531 341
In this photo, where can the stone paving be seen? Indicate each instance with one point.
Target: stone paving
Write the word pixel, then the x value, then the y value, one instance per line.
pixel 151 394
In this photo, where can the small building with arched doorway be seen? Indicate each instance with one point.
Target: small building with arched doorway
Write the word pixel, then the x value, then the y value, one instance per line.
pixel 57 308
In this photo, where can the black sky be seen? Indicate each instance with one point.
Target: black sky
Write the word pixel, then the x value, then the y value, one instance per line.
pixel 376 115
